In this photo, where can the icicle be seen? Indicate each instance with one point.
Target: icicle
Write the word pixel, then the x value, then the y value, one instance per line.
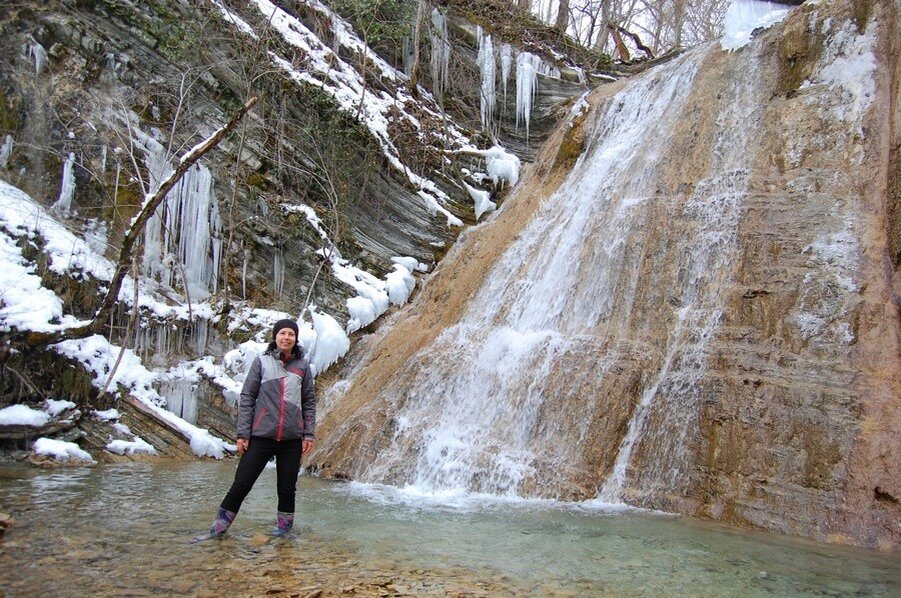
pixel 194 209
pixel 181 397
pixel 103 152
pixel 183 227
pixel 548 70
pixel 743 17
pixel 441 48
pixel 244 274
pixel 481 201
pixel 506 66
pixel 6 150
pixel 278 271
pixel 488 69
pixel 526 87
pixel 67 188
pixel 158 168
pixel 216 227
pixel 37 53
pixel 200 333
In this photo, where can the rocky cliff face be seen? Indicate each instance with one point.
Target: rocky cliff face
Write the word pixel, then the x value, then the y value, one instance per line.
pixel 96 95
pixel 702 316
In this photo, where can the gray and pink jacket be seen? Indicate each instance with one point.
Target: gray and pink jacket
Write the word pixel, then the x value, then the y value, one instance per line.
pixel 278 399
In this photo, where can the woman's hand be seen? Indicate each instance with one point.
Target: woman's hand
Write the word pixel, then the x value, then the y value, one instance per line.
pixel 243 445
pixel 307 446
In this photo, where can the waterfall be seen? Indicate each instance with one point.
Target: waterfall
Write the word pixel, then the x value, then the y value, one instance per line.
pixel 716 204
pixel 479 405
pixel 182 238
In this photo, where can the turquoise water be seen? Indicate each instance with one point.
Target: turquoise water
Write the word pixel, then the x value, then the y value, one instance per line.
pixel 123 530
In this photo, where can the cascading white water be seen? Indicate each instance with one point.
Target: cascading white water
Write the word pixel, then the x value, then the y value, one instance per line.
pixel 475 402
pixel 716 204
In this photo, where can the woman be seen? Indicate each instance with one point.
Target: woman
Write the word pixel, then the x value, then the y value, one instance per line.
pixel 276 417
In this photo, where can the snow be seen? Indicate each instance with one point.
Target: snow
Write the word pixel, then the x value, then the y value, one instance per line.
pixel 55 407
pixel 502 165
pixel 372 107
pixel 329 344
pixel 107 415
pixel 22 415
pixel 363 312
pixel 237 21
pixel 744 16
pixel 410 263
pixel 61 451
pixel 126 447
pixel 98 356
pixel 399 284
pixel 482 201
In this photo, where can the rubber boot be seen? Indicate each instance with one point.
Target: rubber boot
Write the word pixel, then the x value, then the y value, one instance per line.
pixel 223 521
pixel 285 521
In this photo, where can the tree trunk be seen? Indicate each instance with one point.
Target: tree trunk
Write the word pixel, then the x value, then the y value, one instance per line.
pixel 601 42
pixel 562 17
pixel 678 22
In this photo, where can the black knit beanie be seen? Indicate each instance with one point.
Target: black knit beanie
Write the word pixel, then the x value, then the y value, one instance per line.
pixel 284 324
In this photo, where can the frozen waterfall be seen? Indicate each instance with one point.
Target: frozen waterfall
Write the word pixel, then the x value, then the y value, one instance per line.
pixel 182 238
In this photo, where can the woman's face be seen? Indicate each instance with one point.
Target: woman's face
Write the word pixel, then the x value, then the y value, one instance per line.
pixel 285 339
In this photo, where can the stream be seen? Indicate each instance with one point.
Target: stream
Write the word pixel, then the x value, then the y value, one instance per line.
pixel 123 530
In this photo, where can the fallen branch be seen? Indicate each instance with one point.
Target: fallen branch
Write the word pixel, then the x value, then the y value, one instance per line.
pixel 621 48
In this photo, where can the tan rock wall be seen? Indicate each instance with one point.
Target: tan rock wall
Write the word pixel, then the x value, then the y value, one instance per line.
pixel 781 409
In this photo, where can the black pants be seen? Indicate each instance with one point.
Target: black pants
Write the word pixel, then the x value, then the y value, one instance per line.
pixel 253 461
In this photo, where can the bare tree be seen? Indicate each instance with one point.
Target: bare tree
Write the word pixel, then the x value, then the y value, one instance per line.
pixel 562 17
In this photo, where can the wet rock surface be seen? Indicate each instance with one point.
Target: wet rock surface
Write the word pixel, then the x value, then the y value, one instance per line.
pixel 781 409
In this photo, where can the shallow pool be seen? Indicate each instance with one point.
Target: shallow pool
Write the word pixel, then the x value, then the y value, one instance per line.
pixel 124 530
